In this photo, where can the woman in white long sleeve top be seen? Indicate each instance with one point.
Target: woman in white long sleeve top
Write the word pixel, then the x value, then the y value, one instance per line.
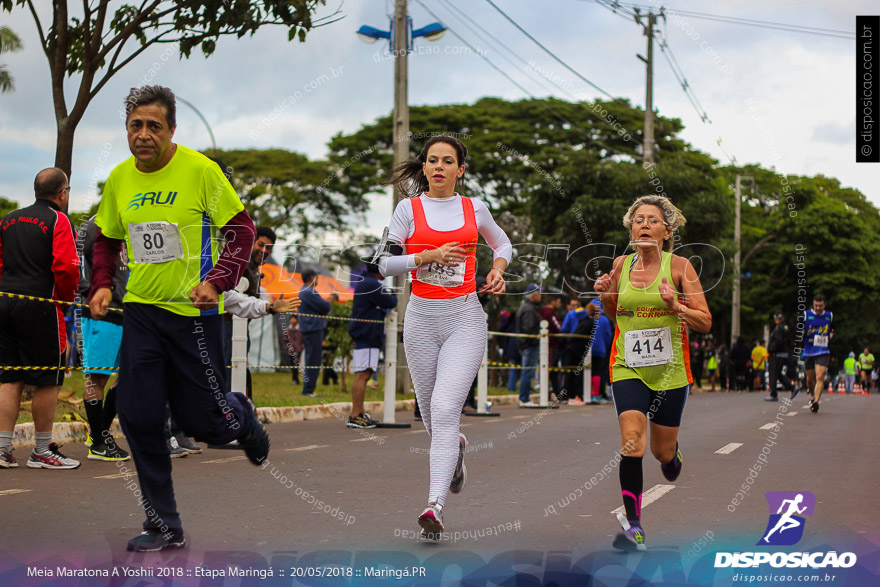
pixel 433 235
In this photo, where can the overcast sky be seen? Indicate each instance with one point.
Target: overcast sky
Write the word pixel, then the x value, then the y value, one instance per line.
pixel 773 97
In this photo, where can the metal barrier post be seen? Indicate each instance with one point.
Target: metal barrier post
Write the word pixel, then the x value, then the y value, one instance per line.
pixel 544 362
pixel 483 385
pixel 239 354
pixel 588 373
pixel 390 402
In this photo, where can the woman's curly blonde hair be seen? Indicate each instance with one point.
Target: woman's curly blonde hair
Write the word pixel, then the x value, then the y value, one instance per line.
pixel 672 216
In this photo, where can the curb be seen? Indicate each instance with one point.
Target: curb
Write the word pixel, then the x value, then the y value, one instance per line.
pixel 62 432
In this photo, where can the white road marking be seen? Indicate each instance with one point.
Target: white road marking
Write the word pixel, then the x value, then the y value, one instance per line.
pixel 728 448
pixel 368 439
pixel 769 426
pixel 649 497
pixel 229 460
pixel 309 447
pixel 116 476
pixel 791 414
pixel 14 491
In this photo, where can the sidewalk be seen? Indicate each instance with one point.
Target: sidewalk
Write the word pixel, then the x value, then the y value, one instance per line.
pixel 63 432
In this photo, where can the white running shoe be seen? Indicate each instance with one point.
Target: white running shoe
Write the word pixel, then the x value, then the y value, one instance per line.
pixel 459 478
pixel 51 459
pixel 431 521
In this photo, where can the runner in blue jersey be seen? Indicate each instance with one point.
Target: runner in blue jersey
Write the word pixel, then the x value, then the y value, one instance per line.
pixel 817 335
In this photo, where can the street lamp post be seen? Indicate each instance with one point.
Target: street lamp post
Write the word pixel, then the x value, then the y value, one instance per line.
pixel 401 37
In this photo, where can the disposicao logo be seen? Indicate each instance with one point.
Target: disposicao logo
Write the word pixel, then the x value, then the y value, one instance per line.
pixel 154 198
pixel 785 528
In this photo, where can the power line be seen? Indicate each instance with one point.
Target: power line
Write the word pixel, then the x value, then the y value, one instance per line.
pixel 792 28
pixel 682 80
pixel 463 18
pixel 549 52
pixel 523 89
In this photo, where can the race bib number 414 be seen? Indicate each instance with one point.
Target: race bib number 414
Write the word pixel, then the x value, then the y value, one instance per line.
pixel 649 347
pixel 155 242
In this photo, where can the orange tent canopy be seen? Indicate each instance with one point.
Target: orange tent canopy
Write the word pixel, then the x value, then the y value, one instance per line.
pixel 277 281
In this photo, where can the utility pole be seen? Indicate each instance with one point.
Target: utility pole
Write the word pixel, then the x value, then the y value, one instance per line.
pixel 737 240
pixel 737 268
pixel 648 132
pixel 400 125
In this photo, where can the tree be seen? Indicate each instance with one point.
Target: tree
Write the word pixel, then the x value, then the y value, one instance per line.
pixel 9 42
pixel 93 44
pixel 569 182
pixel 7 206
pixel 564 168
pixel 290 193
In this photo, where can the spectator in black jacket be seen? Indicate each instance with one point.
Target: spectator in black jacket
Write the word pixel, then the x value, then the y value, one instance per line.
pixel 370 303
pixel 528 321
pixel 508 349
pixel 101 340
pixel 779 348
pixel 37 258
pixel 740 356
pixel 312 329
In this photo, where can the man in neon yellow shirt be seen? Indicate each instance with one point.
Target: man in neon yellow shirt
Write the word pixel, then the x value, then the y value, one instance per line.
pixel 166 203
pixel 850 368
pixel 866 360
pixel 759 355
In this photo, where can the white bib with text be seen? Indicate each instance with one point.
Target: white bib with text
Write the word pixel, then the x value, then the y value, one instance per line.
pixel 436 274
pixel 155 242
pixel 649 347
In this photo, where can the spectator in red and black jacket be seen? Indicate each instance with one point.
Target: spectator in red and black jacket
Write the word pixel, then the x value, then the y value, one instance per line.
pixel 37 258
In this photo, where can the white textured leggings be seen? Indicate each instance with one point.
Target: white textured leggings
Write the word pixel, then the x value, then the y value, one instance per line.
pixel 444 342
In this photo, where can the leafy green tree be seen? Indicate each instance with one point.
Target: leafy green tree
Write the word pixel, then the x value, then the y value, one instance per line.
pixel 569 182
pixel 93 45
pixel 9 42
pixel 7 206
pixel 290 193
pixel 567 172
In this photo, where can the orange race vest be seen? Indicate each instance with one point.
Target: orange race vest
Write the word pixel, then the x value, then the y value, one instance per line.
pixel 425 238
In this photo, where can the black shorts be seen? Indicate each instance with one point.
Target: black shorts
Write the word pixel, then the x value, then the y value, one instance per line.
pixel 811 362
pixel 32 334
pixel 665 407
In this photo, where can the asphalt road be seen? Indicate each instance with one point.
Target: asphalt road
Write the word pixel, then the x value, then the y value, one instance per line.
pixel 540 481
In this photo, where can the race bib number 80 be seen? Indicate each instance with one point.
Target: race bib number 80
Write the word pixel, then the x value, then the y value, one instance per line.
pixel 646 348
pixel 155 242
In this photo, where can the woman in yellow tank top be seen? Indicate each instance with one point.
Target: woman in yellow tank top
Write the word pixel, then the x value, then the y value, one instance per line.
pixel 653 296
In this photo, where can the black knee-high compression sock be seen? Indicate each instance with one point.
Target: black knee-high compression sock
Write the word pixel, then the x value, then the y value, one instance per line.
pixel 631 486
pixel 94 414
pixel 109 407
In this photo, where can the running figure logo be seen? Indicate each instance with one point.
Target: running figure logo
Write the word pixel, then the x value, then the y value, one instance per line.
pixel 786 526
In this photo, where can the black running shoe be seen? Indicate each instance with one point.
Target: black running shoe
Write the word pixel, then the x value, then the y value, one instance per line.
pixel 100 451
pixel 362 420
pixel 186 443
pixel 672 469
pixel 154 540
pixel 814 406
pixel 256 442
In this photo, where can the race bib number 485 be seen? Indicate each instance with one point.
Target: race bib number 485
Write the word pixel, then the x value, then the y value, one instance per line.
pixel 436 274
pixel 649 347
pixel 155 242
